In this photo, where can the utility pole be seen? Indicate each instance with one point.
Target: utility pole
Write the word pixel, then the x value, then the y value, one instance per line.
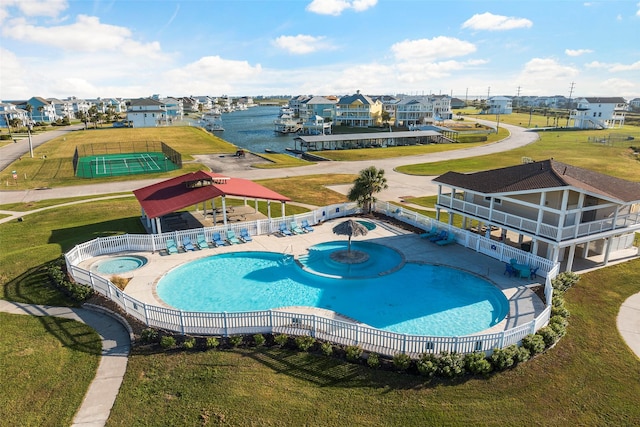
pixel 29 128
pixel 569 109
pixel 517 97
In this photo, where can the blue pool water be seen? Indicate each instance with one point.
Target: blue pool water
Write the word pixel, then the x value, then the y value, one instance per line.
pixel 119 264
pixel 416 299
pixel 382 260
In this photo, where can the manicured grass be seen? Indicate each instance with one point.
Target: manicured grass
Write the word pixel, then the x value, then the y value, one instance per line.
pixel 47 365
pixel 571 147
pixel 281 161
pixel 589 378
pixel 29 206
pixel 310 189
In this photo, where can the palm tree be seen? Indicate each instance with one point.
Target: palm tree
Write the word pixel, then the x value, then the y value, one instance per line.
pixel 29 109
pixel 370 182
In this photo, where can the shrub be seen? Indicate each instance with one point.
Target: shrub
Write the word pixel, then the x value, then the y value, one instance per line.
pixel 477 363
pixel 521 355
pixel 401 361
pixel 327 348
pixel 427 365
pixel 304 343
pixel 559 311
pixel 503 358
pixel 559 325
pixel 149 335
pixel 189 343
pixel 167 341
pixel 557 301
pixel 259 340
pixel 235 340
pixel 534 343
pixel 564 281
pixel 212 342
pixel 548 335
pixel 281 339
pixel 353 353
pixel 450 364
pixel 59 278
pixel 373 360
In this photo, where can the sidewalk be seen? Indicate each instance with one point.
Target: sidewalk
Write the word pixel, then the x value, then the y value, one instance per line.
pixel 116 344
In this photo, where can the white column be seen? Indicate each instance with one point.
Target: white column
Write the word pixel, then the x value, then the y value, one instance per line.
pixel 283 209
pixel 572 253
pixel 543 200
pixel 224 211
pixel 607 250
pixel 563 214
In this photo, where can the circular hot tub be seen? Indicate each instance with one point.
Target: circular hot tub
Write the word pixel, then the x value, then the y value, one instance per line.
pixel 119 264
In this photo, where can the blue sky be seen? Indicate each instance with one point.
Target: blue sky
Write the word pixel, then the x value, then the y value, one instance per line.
pixel 135 48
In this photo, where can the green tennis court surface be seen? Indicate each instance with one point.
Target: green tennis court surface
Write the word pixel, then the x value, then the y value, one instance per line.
pixel 123 164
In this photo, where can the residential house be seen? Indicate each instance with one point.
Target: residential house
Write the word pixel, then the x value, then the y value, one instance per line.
pixel 358 111
pixel 599 113
pixel 62 108
pixel 296 104
pixel 457 103
pixel 414 111
pixel 191 104
pixel 173 109
pixel 441 107
pixel 42 110
pixel 9 111
pixel 317 106
pixel 146 112
pixel 500 105
pixel 81 105
pixel 635 104
pixel 558 211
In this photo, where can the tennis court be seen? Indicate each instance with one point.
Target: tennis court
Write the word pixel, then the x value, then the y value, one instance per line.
pixel 106 165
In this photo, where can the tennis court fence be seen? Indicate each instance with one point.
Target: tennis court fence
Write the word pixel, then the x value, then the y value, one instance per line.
pixel 129 147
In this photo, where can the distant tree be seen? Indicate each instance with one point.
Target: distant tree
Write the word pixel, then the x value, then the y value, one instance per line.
pixel 370 182
pixel 41 111
pixel 386 117
pixel 29 109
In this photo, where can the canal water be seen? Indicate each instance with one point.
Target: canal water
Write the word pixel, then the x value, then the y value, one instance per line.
pixel 253 130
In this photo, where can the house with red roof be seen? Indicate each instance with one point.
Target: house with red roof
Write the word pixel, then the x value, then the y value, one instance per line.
pixel 191 189
pixel 558 211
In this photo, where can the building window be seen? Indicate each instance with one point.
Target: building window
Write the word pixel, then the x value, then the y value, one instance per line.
pixel 496 201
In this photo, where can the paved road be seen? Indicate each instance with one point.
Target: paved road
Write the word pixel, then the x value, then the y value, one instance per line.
pixel 400 185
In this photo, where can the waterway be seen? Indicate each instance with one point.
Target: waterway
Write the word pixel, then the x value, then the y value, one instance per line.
pixel 253 130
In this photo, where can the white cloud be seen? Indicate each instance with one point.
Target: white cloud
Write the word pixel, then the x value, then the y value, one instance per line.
pixel 546 73
pixel 301 44
pixel 50 8
pixel 638 12
pixel 615 67
pixel 431 49
pixel 490 22
pixel 336 7
pixel 577 52
pixel 87 34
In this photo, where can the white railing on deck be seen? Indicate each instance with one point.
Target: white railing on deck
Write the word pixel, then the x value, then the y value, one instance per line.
pixel 278 321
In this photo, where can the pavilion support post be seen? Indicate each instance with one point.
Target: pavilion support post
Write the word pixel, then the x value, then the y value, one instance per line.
pixel 256 203
pixel 224 210
pixel 283 209
pixel 213 211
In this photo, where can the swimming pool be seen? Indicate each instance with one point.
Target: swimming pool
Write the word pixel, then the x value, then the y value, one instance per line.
pixel 119 264
pixel 417 299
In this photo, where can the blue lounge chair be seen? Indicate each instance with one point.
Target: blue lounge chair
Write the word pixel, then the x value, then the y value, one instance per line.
pixel 441 236
pixel 433 232
pixel 305 226
pixel 172 248
pixel 217 240
pixel 534 273
pixel 187 245
pixel 451 238
pixel 232 238
pixel 201 243
pixel 244 235
pixel 295 228
pixel 509 270
pixel 284 230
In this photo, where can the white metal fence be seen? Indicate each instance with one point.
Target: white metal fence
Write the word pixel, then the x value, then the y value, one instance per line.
pixel 277 321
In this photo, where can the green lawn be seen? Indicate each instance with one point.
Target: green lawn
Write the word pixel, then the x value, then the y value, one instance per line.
pixel 571 147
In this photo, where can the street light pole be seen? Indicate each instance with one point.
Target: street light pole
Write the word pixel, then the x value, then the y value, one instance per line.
pixel 29 127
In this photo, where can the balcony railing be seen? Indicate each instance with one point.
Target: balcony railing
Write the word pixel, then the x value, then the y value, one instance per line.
pixel 529 226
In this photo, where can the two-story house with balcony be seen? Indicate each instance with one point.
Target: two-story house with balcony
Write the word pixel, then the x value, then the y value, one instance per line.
pixel 358 111
pixel 146 112
pixel 9 111
pixel 414 111
pixel 599 113
pixel 62 108
pixel 500 105
pixel 41 110
pixel 556 210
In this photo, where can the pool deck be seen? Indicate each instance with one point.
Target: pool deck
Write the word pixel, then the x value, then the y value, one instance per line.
pixel 524 304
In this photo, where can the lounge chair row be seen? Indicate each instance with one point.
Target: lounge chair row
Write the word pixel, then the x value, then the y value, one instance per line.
pixel 294 228
pixel 202 243
pixel 439 237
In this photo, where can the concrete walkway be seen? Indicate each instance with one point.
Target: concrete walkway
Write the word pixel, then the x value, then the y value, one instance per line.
pixel 116 344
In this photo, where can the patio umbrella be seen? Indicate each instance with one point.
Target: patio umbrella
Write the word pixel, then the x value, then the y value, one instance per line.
pixel 350 228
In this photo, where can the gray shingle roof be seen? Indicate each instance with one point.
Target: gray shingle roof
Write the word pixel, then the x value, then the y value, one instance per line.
pixel 544 174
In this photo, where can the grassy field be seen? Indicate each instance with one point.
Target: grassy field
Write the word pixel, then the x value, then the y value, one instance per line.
pixel 52 164
pixel 570 147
